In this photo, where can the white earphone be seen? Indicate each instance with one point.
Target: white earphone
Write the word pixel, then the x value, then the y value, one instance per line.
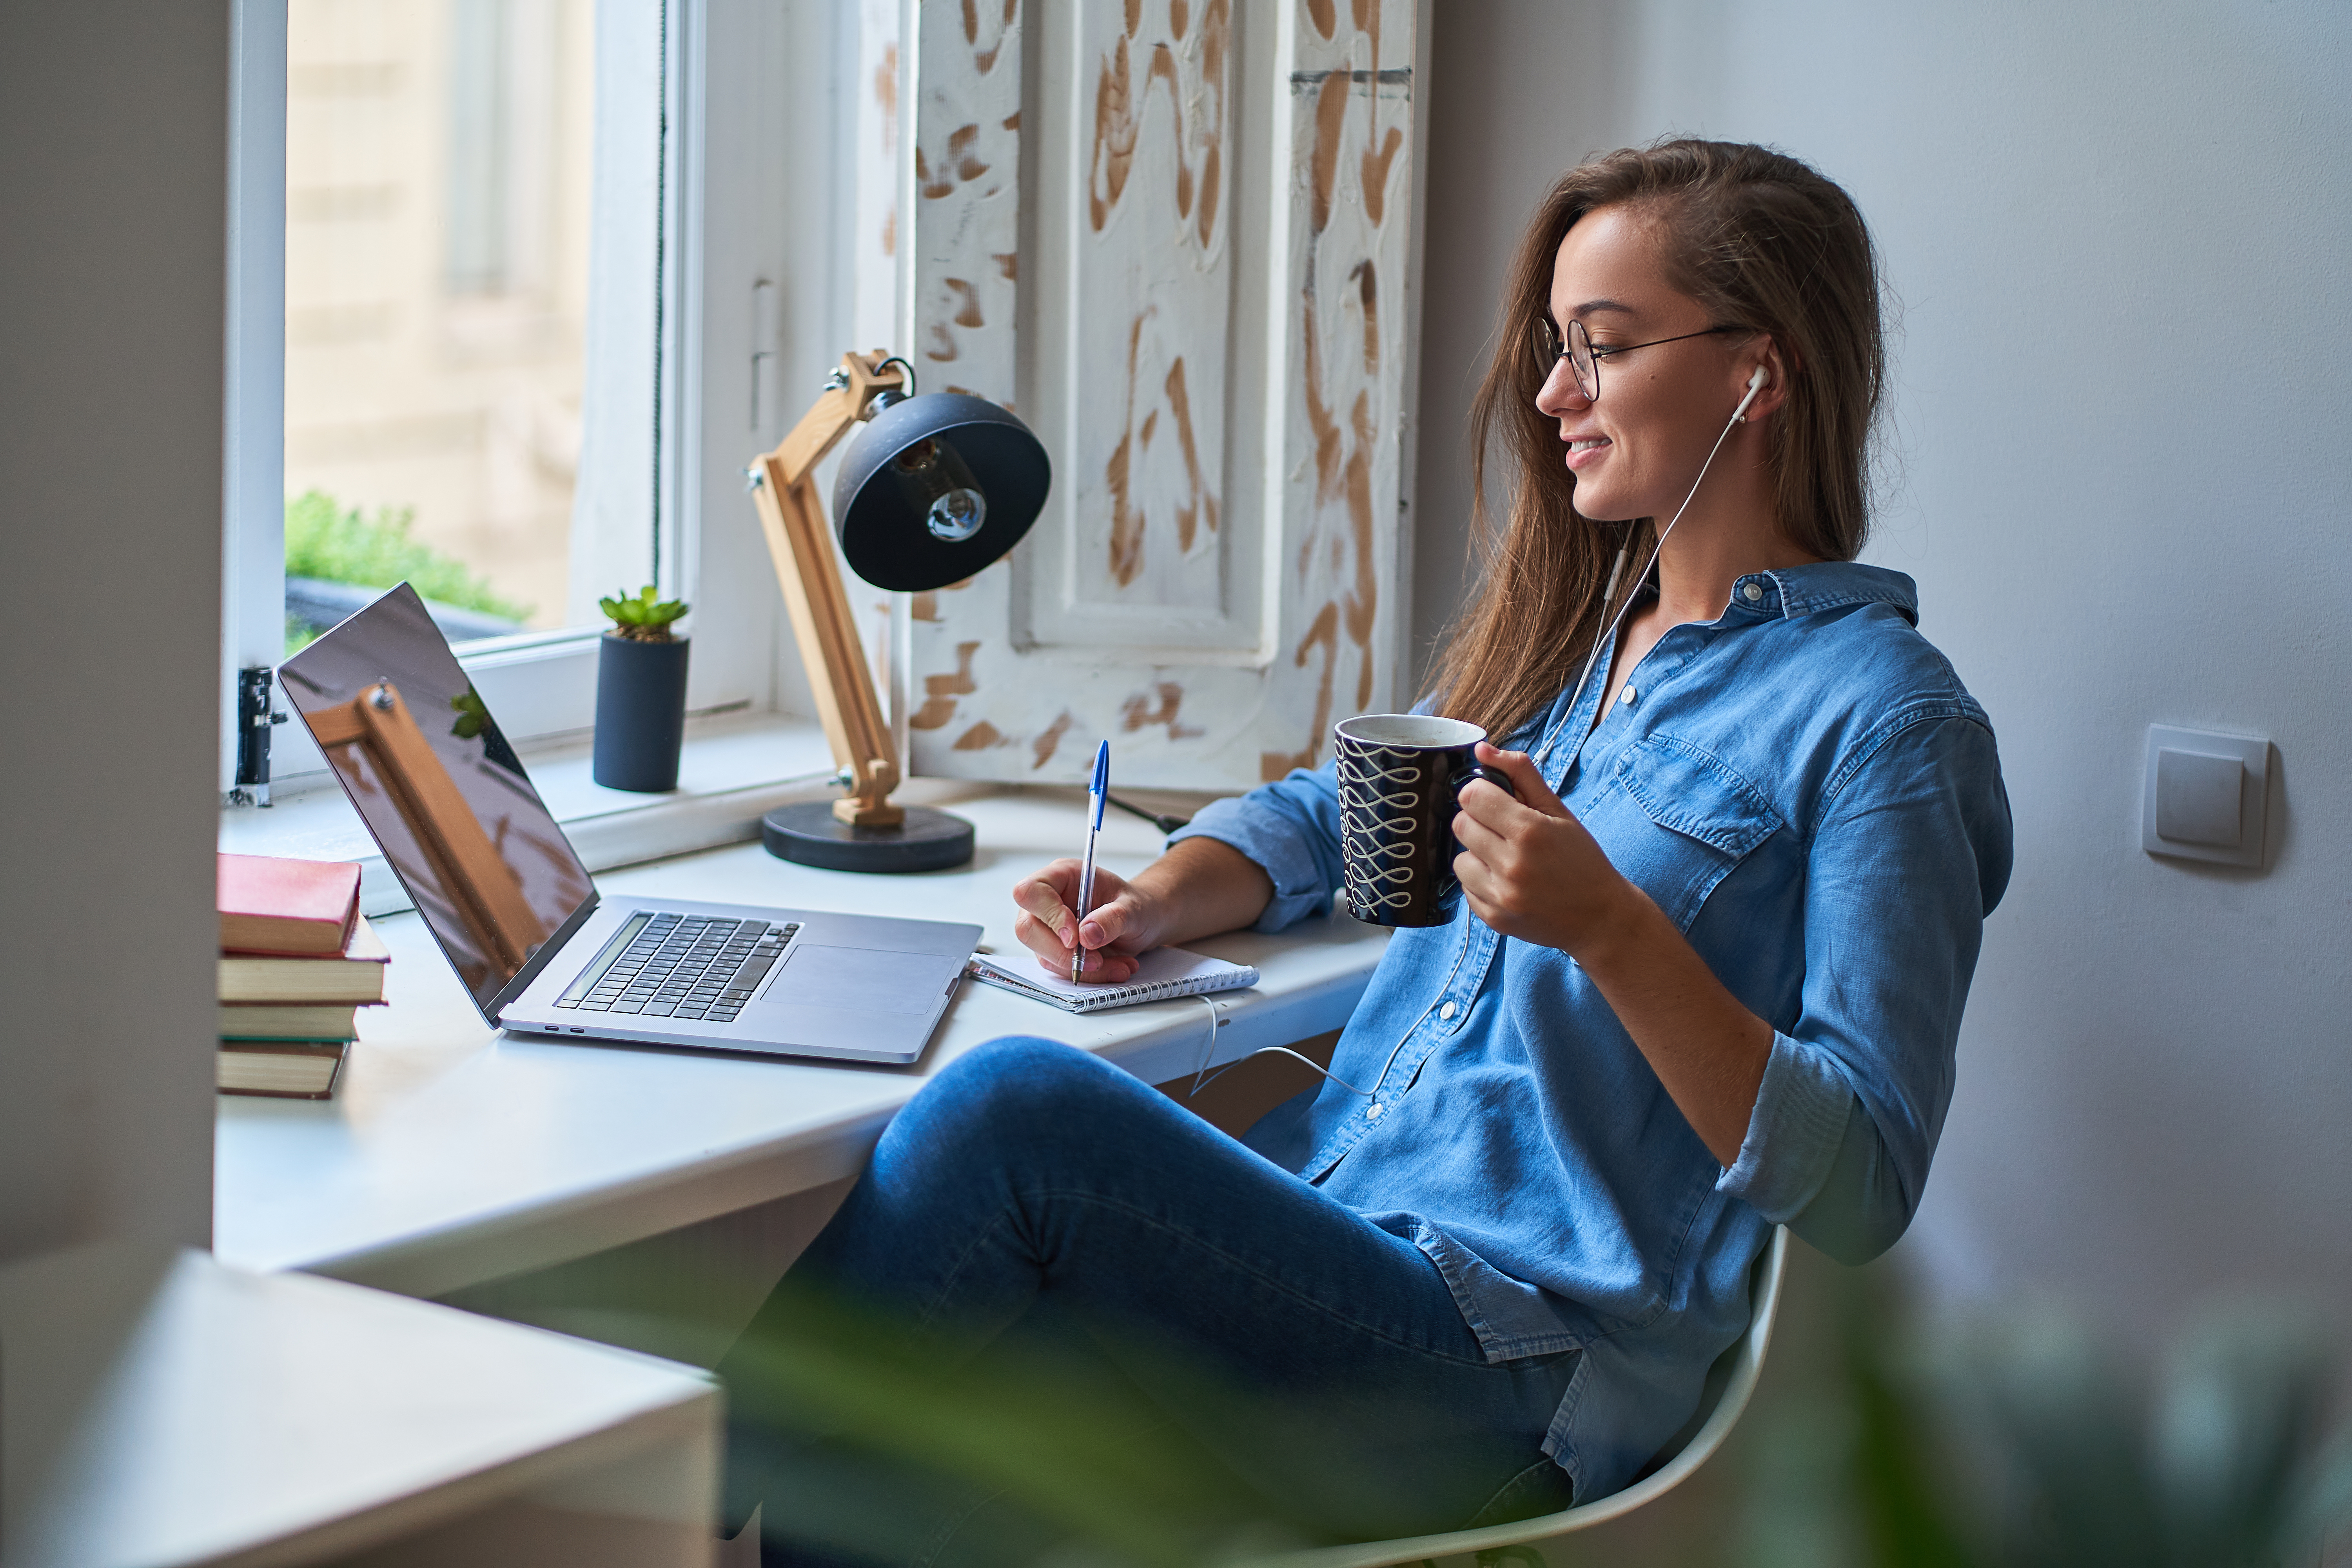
pixel 1202 1076
pixel 1738 416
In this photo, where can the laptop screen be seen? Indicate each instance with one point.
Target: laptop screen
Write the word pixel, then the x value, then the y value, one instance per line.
pixel 444 795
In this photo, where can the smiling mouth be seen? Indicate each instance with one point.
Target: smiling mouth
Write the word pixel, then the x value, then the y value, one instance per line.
pixel 1582 452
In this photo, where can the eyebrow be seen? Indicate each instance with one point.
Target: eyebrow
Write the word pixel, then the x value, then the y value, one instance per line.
pixel 1589 306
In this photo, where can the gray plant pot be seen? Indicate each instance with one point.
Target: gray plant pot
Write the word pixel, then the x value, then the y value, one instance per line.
pixel 640 713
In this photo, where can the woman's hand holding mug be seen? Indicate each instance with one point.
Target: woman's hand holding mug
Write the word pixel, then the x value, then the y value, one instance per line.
pixel 1528 867
pixel 1399 775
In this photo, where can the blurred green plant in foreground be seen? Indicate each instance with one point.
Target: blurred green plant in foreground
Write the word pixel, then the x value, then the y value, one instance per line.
pixel 1038 1455
pixel 326 541
pixel 2025 1441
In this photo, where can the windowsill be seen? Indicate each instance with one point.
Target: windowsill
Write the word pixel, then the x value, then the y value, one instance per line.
pixel 736 767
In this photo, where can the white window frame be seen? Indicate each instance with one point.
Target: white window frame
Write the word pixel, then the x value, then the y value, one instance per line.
pixel 752 89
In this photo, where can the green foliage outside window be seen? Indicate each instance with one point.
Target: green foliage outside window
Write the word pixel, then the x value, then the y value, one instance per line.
pixel 325 541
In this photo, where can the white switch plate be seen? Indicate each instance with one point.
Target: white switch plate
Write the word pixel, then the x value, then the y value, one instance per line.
pixel 2186 796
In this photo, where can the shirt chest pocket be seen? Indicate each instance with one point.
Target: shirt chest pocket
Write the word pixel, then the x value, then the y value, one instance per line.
pixel 1678 823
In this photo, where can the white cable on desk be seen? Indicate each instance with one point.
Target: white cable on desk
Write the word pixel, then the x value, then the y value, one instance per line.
pixel 1208 1050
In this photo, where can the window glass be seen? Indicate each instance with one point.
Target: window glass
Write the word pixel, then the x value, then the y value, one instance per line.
pixel 438 176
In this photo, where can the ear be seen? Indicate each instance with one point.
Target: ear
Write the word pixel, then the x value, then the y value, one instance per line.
pixel 1765 350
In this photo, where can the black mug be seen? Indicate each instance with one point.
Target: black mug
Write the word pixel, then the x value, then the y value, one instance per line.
pixel 1399 774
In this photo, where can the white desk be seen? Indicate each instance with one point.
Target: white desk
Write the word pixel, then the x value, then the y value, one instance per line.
pixel 453 1154
pixel 160 1409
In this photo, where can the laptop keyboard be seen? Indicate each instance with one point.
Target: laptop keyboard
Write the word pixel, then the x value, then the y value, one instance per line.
pixel 681 966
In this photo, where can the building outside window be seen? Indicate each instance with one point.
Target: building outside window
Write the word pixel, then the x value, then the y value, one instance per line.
pixel 438 182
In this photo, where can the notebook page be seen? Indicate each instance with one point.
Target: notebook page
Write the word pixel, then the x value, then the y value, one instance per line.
pixel 1161 970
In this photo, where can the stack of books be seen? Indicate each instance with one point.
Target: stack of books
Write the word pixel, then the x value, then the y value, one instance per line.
pixel 298 961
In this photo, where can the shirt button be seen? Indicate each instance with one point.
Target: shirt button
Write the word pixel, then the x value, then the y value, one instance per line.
pixel 1752 593
pixel 1448 1011
pixel 1372 1111
pixel 1628 695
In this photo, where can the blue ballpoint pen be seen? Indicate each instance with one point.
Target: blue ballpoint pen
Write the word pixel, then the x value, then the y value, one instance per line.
pixel 1096 790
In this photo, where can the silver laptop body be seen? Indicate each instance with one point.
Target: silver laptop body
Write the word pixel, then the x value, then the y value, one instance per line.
pixel 517 915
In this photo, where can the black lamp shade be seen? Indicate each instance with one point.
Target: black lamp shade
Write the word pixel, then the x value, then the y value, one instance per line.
pixel 880 513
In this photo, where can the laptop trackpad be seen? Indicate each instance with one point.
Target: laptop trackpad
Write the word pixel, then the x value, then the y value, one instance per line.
pixel 863 980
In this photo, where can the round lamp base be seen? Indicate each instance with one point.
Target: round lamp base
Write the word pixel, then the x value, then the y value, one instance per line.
pixel 811 835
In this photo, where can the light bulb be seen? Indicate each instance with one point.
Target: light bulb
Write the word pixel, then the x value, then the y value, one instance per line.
pixel 934 477
pixel 957 515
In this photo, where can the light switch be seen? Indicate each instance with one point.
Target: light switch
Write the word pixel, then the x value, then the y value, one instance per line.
pixel 2204 795
pixel 2198 797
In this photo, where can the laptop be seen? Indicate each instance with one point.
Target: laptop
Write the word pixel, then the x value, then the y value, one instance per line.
pixel 517 915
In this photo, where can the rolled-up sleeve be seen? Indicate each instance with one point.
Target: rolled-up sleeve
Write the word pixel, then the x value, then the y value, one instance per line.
pixel 1911 855
pixel 1292 829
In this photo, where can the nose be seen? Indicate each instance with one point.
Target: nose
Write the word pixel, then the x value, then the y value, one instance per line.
pixel 1560 395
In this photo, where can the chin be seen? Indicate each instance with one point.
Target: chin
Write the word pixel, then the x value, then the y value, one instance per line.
pixel 1594 504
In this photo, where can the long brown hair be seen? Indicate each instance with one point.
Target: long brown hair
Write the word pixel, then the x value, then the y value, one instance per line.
pixel 1764 242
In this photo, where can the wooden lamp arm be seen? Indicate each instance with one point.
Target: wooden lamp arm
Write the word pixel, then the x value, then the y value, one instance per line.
pixel 792 518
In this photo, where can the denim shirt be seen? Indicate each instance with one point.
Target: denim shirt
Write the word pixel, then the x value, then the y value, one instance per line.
pixel 1806 789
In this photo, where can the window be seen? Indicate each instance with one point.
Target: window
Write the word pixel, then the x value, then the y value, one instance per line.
pixel 438 166
pixel 493 274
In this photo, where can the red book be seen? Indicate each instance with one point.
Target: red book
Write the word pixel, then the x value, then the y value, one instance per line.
pixel 294 907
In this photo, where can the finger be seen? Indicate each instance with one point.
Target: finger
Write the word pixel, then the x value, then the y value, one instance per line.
pixel 1477 884
pixel 1040 898
pixel 1107 887
pixel 1526 778
pixel 1040 939
pixel 1488 892
pixel 1482 802
pixel 1478 838
pixel 1110 922
pixel 1059 876
pixel 1109 969
pixel 1102 968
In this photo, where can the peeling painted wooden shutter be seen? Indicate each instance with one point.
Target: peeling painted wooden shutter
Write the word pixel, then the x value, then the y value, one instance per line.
pixel 1177 237
pixel 879 190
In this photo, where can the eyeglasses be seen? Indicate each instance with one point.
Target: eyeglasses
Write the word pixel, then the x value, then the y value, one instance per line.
pixel 1584 359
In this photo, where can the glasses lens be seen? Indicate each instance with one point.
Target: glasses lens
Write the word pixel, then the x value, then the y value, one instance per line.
pixel 1580 360
pixel 1544 341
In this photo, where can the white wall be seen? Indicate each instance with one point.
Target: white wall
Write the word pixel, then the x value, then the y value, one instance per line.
pixel 2118 234
pixel 113 120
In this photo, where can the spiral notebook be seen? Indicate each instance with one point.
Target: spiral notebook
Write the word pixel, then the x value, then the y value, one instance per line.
pixel 1165 972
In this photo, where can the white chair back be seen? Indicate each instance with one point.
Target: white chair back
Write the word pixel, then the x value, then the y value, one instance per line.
pixel 1730 1384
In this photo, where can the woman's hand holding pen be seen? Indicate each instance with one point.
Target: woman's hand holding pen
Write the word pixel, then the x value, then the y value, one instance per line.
pixel 1199 888
pixel 1120 927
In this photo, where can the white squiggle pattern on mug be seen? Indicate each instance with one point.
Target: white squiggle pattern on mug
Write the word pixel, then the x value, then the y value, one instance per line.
pixel 1376 826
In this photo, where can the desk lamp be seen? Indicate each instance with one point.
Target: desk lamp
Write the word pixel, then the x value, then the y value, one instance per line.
pixel 934 489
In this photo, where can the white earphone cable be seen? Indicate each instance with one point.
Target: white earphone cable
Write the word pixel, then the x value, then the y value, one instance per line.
pixel 1202 1076
pixel 1208 1050
pixel 1755 385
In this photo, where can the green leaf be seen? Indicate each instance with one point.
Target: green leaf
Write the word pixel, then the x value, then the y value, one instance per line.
pixel 642 608
pixel 473 716
pixel 325 541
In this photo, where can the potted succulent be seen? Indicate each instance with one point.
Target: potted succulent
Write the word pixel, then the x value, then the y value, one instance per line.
pixel 640 693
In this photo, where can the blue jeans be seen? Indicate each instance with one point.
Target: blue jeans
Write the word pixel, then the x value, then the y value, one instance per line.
pixel 1058 1306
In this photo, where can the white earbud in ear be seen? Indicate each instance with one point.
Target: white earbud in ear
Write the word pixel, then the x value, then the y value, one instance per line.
pixel 1755 385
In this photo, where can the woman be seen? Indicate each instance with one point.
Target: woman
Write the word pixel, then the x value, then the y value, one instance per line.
pixel 1706 975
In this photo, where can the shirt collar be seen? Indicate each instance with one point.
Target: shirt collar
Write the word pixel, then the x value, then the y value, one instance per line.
pixel 1787 593
pixel 1795 591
